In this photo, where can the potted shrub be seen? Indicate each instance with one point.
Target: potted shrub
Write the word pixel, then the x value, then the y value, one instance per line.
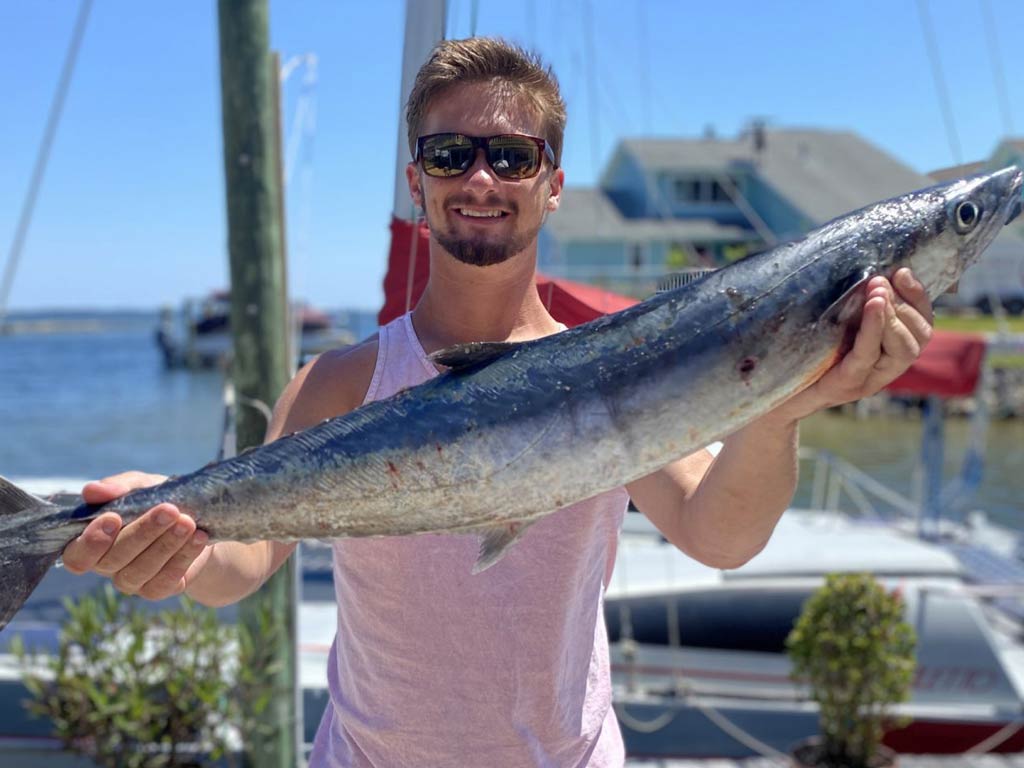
pixel 853 648
pixel 133 688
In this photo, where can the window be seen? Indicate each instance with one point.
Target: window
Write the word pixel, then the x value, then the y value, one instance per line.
pixel 727 619
pixel 704 190
pixel 636 255
pixel 719 194
pixel 688 190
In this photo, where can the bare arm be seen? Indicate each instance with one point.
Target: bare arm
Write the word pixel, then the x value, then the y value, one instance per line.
pixel 162 554
pixel 723 511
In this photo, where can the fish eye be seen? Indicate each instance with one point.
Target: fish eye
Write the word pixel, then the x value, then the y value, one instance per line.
pixel 966 215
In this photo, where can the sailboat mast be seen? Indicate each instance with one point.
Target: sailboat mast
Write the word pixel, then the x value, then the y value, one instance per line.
pixel 424 28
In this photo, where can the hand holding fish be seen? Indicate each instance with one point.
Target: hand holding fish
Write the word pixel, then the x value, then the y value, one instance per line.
pixel 895 327
pixel 151 556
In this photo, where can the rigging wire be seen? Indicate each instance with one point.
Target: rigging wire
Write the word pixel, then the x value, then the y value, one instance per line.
pixel 997 66
pixel 587 28
pixel 940 83
pixel 644 62
pixel 531 21
pixel 450 16
pixel 43 156
pixel 300 137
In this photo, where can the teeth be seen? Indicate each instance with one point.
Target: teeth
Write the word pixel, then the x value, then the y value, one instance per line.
pixel 480 214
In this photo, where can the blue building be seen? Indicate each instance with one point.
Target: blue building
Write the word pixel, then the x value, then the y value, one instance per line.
pixel 667 205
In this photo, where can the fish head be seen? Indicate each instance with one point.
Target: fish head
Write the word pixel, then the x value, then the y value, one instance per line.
pixel 940 231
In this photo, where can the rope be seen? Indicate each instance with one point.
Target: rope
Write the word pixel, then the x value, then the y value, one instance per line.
pixel 997 66
pixel 587 29
pixel 42 158
pixel 744 738
pixel 940 81
pixel 996 738
pixel 645 726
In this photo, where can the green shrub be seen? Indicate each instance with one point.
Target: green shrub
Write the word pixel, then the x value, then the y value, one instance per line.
pixel 130 688
pixel 853 647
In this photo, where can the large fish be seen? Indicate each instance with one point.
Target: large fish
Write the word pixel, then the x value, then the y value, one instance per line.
pixel 512 432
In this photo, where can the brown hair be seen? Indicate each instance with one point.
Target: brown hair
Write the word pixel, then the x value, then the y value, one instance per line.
pixel 486 59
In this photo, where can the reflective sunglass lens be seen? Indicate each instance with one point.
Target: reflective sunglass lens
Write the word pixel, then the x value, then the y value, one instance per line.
pixel 447 155
pixel 513 158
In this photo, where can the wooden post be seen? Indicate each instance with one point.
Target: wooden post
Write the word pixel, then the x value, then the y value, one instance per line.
pixel 260 367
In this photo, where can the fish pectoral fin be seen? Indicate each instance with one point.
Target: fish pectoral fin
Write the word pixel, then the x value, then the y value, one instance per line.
pixel 495 541
pixel 473 355
pixel 850 303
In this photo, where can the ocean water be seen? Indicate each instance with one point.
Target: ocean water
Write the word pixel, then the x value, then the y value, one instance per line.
pixel 90 403
pixel 93 403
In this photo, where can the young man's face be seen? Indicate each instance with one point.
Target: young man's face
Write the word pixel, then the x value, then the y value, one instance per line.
pixel 480 109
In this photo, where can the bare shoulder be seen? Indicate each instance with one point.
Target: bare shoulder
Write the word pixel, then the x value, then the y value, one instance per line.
pixel 330 385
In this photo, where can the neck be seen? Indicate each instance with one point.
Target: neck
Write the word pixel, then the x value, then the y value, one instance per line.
pixel 463 303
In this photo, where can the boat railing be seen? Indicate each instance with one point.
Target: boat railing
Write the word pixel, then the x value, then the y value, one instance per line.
pixel 832 476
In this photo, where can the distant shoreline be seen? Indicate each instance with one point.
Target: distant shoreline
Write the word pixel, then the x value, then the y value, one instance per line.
pixel 50 326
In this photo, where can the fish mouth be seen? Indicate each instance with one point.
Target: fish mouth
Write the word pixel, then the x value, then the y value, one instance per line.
pixel 1014 209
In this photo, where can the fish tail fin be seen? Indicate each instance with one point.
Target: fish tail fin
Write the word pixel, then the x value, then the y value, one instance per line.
pixel 23 563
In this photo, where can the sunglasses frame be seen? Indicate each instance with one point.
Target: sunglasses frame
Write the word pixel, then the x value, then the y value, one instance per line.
pixel 483 142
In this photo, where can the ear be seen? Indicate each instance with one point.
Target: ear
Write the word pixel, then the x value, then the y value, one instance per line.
pixel 412 175
pixel 555 183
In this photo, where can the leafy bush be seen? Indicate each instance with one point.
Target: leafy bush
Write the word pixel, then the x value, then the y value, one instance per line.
pixel 852 646
pixel 132 689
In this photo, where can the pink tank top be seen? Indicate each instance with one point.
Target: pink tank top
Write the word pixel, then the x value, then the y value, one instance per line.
pixel 435 667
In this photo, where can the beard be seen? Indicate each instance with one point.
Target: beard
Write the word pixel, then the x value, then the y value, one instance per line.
pixel 481 251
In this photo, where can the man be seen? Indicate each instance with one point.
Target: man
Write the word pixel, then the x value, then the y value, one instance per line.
pixel 434 666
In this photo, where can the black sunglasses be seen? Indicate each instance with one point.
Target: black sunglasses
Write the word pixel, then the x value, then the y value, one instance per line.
pixel 510 155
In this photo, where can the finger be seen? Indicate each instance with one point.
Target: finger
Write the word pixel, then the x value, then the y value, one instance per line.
pixel 917 314
pixel 115 486
pixel 867 345
pixel 136 537
pixel 155 558
pixel 171 579
pixel 102 491
pixel 913 292
pixel 82 554
pixel 900 346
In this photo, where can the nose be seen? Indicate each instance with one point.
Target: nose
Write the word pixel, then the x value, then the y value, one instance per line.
pixel 480 164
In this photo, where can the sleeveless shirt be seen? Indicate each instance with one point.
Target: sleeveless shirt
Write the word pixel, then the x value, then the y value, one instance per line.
pixel 434 666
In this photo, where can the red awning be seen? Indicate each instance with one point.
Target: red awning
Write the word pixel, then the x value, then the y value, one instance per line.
pixel 949 366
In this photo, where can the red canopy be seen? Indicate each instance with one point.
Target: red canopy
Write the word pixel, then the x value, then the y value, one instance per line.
pixel 949 366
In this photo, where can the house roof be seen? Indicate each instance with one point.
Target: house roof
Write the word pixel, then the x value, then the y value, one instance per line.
pixel 823 174
pixel 588 214
pixel 957 171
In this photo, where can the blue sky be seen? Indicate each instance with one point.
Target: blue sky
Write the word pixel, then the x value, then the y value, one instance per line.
pixel 131 212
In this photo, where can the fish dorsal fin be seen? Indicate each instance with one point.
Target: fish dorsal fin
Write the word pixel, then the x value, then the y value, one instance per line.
pixel 473 355
pixel 850 302
pixel 13 499
pixel 495 541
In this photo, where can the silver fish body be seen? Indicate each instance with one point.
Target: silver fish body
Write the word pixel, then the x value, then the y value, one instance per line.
pixel 512 432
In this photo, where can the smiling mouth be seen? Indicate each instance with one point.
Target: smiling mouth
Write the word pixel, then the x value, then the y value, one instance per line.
pixel 488 214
